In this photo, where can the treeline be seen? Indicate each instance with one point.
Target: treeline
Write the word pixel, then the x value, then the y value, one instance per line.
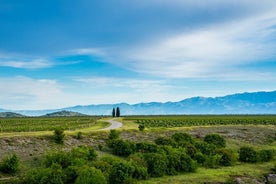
pixel 180 153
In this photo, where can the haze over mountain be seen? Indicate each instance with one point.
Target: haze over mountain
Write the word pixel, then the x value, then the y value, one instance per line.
pixel 243 103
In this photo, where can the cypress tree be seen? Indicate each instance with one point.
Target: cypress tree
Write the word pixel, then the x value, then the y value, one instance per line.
pixel 118 114
pixel 113 112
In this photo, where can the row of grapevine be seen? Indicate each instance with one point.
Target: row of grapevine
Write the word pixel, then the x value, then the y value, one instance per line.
pixel 44 123
pixel 204 120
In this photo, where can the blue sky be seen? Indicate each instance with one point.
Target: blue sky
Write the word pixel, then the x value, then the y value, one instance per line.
pixel 60 53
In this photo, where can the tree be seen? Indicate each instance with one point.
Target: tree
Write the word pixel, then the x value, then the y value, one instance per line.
pixel 113 112
pixel 118 114
pixel 59 136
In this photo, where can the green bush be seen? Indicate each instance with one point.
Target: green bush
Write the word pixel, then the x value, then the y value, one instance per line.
pixel 121 172
pixel 84 152
pixel 200 158
pixel 212 161
pixel 122 148
pixel 182 137
pixel 114 134
pixel 165 141
pixel 79 135
pixel 10 164
pixel 265 155
pixel 90 175
pixel 247 154
pixel 140 166
pixel 51 175
pixel 227 157
pixel 141 127
pixel 206 148
pixel 146 147
pixel 156 163
pixel 59 136
pixel 59 157
pixel 215 139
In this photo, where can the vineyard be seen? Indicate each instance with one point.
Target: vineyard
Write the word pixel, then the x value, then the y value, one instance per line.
pixel 32 124
pixel 203 120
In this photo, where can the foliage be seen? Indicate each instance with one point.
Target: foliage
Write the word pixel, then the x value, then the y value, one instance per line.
pixel 118 113
pixel 265 155
pixel 113 134
pixel 51 175
pixel 58 157
pixel 247 154
pixel 10 164
pixel 113 112
pixel 59 136
pixel 121 172
pixel 30 124
pixel 146 147
pixel 203 120
pixel 90 175
pixel 205 148
pixel 215 139
pixel 121 147
pixel 79 135
pixel 141 127
pixel 182 137
pixel 227 157
pixel 156 163
pixel 165 141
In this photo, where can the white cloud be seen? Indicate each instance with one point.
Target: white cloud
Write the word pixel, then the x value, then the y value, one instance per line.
pixel 27 93
pixel 33 64
pixel 209 51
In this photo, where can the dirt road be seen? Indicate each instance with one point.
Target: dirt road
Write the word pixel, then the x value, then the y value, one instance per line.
pixel 114 125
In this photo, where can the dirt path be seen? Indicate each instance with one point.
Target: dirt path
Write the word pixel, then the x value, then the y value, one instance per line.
pixel 114 125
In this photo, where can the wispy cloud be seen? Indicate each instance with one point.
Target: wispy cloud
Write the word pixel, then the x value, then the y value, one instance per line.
pixel 33 64
pixel 208 51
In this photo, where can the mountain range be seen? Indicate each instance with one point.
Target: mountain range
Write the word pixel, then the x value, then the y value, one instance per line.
pixel 241 103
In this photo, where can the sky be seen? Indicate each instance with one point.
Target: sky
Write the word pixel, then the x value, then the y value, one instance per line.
pixel 61 53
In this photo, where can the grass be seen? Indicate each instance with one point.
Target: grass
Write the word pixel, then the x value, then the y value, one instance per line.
pixel 202 175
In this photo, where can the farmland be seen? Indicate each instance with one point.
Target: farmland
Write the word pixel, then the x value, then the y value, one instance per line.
pixel 203 120
pixel 256 132
pixel 32 124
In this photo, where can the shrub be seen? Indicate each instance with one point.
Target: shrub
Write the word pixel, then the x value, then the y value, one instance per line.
pixel 165 141
pixel 87 175
pixel 140 167
pixel 53 175
pixel 79 135
pixel 141 127
pixel 121 147
pixel 59 157
pixel 156 163
pixel 200 158
pixel 114 134
pixel 187 164
pixel 120 173
pixel 212 161
pixel 227 157
pixel 205 148
pixel 83 152
pixel 247 154
pixel 265 155
pixel 215 139
pixel 182 137
pixel 10 164
pixel 59 136
pixel 146 147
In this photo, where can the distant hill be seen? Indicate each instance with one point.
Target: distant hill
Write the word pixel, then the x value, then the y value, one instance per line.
pixel 64 114
pixel 10 115
pixel 242 103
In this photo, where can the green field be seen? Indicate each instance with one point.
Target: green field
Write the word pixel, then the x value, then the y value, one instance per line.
pixel 32 138
pixel 203 120
pixel 45 123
